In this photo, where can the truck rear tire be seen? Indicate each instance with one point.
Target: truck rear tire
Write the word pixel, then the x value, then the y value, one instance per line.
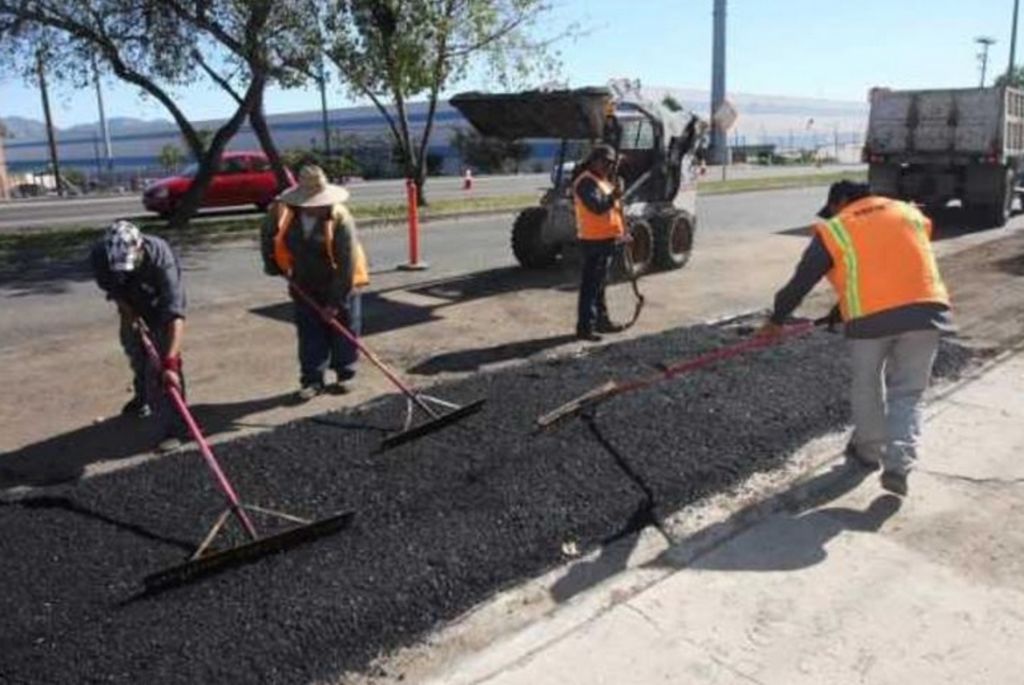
pixel 884 179
pixel 528 240
pixel 996 215
pixel 673 241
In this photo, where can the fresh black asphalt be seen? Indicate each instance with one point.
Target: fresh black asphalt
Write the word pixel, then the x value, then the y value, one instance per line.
pixel 441 524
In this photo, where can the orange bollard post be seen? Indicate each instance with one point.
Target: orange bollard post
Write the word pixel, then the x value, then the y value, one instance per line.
pixel 411 198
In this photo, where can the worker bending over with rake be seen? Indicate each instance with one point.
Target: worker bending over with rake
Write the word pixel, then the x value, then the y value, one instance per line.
pixel 309 237
pixel 877 254
pixel 600 226
pixel 142 276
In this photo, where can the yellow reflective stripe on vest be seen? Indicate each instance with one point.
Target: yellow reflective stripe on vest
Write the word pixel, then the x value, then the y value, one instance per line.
pixel 922 237
pixel 839 232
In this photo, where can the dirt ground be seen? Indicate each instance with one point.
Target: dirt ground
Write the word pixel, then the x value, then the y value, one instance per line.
pixel 63 392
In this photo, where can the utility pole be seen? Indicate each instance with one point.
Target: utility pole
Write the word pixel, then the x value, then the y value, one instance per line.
pixel 985 42
pixel 322 82
pixel 719 139
pixel 49 124
pixel 1013 42
pixel 108 154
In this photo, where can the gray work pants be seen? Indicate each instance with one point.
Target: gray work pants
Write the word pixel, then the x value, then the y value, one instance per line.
pixel 890 375
pixel 147 382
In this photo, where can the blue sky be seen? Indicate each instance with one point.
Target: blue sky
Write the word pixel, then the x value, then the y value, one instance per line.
pixel 808 48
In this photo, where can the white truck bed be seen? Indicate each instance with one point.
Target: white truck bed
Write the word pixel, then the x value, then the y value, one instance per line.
pixel 971 122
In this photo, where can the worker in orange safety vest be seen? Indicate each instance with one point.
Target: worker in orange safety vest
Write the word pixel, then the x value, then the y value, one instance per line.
pixel 310 237
pixel 877 254
pixel 600 226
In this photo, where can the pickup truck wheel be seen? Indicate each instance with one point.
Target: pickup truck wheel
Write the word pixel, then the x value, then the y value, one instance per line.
pixel 528 240
pixel 673 241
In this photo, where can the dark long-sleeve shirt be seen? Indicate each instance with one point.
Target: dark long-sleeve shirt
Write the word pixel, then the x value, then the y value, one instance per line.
pixel 155 290
pixel 313 271
pixel 592 197
pixel 815 264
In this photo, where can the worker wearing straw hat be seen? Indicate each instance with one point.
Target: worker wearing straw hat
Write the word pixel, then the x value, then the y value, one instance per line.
pixel 310 237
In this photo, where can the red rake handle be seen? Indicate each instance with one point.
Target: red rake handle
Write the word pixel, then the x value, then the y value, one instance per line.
pixel 721 354
pixel 354 339
pixel 204 447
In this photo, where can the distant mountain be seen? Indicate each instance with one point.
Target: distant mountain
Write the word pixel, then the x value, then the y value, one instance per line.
pixel 20 128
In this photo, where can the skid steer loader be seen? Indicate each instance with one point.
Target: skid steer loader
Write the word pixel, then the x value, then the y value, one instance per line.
pixel 659 151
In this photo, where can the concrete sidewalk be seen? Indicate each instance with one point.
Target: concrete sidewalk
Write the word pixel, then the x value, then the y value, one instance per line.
pixel 866 588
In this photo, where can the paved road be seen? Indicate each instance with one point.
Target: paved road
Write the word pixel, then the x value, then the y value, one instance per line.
pixel 56 212
pixel 49 302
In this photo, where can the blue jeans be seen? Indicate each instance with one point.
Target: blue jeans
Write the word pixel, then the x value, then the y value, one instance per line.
pixel 321 347
pixel 597 259
pixel 890 375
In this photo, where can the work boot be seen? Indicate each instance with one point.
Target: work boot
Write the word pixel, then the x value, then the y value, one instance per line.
pixel 609 326
pixel 587 335
pixel 136 406
pixel 854 457
pixel 309 391
pixel 894 482
pixel 169 444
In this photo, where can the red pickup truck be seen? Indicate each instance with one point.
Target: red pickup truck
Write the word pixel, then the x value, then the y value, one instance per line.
pixel 243 178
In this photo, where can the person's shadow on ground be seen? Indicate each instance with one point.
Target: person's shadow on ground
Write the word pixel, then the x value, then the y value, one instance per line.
pixel 794 541
pixel 64 457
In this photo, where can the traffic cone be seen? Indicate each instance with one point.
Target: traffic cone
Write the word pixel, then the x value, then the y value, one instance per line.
pixel 467 179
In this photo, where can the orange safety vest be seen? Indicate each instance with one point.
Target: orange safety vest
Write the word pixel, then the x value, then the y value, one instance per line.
pixel 593 226
pixel 882 257
pixel 285 261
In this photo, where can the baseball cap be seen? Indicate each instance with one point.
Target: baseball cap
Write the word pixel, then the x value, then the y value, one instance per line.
pixel 124 245
pixel 840 192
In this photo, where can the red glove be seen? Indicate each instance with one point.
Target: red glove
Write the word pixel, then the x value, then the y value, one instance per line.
pixel 172 371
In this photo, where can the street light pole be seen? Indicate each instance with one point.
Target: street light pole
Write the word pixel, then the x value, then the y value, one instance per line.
pixel 719 140
pixel 985 42
pixel 49 124
pixel 1013 41
pixel 108 154
pixel 322 81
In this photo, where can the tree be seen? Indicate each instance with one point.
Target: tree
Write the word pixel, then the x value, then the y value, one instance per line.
pixel 489 155
pixel 258 42
pixel 390 51
pixel 1016 78
pixel 137 41
pixel 170 157
pixel 158 45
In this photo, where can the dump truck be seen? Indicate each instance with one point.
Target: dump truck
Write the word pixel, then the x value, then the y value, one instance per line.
pixel 933 146
pixel 659 162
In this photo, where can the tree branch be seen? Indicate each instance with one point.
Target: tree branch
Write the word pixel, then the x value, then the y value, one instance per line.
pixel 215 77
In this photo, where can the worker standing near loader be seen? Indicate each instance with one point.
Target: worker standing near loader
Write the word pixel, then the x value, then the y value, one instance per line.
pixel 601 226
pixel 877 254
pixel 309 236
pixel 142 276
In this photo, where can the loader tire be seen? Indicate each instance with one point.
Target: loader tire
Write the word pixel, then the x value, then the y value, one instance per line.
pixel 673 242
pixel 528 240
pixel 641 249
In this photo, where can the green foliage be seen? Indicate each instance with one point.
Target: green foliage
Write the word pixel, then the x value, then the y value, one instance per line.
pixel 1016 78
pixel 391 51
pixel 489 155
pixel 170 157
pixel 76 177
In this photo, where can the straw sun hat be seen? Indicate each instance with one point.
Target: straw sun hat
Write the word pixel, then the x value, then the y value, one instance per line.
pixel 314 190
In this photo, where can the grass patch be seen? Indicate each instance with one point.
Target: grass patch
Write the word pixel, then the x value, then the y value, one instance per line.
pixel 741 185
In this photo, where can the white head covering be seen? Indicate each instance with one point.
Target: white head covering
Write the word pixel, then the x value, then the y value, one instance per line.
pixel 313 190
pixel 124 246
